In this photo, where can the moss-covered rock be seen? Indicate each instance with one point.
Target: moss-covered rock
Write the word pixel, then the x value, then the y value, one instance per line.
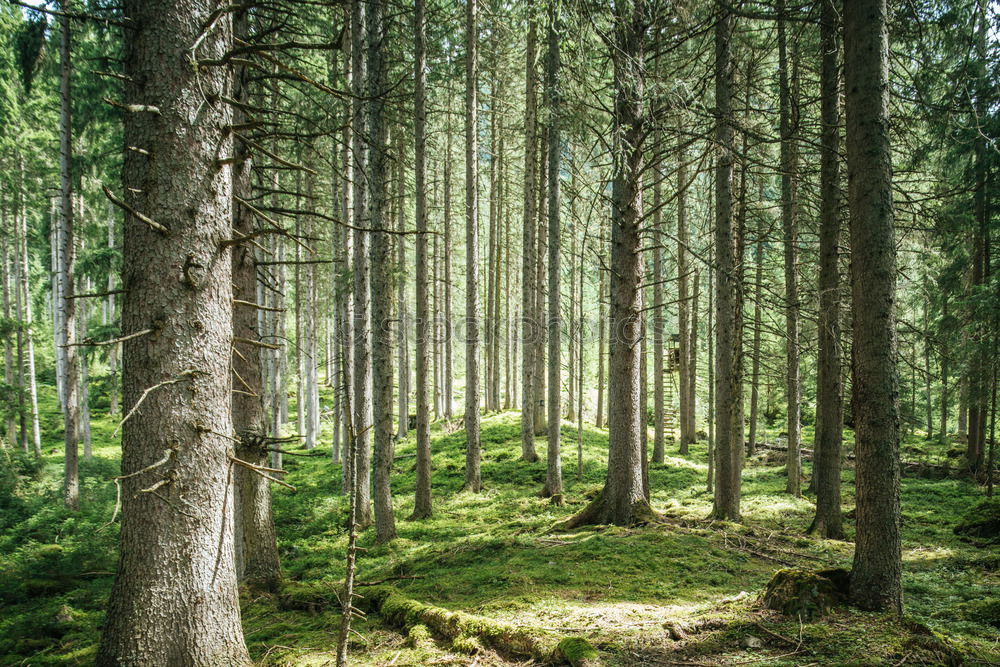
pixel 807 594
pixel 981 524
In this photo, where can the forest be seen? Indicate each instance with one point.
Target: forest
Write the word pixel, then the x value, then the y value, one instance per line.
pixel 495 333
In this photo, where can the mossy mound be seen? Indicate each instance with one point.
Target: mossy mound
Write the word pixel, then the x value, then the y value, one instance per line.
pixel 807 594
pixel 981 524
pixel 469 633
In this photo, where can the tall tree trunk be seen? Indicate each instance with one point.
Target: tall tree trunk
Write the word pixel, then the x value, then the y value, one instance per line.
pixel 944 357
pixel 530 323
pixel 602 326
pixel 541 244
pixel 311 329
pixel 177 522
pixel 402 335
pixel 361 269
pixel 8 344
pixel 758 311
pixel 472 448
pixel 789 211
pixel 256 548
pixel 422 500
pixel 728 306
pixel 25 291
pixel 553 475
pixel 623 500
pixel 829 393
pixel 113 353
pixel 82 313
pixel 659 272
pixel 381 272
pixel 876 575
pixel 67 251
pixel 687 369
pixel 449 352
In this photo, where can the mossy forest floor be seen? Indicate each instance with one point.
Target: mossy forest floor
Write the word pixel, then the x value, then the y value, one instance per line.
pixel 684 592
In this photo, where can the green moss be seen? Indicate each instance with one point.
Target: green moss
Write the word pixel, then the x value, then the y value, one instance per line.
pixel 467 644
pixel 418 636
pixel 981 524
pixel 804 593
pixel 578 652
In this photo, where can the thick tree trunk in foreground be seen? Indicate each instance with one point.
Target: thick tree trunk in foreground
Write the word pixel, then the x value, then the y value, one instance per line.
pixel 623 500
pixel 728 306
pixel 829 393
pixel 472 447
pixel 175 599
pixel 876 575
pixel 381 274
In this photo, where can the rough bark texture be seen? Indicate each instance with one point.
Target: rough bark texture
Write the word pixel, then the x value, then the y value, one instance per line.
pixel 361 401
pixel 529 321
pixel 381 274
pixel 553 476
pixel 174 599
pixel 793 461
pixel 67 254
pixel 728 306
pixel 659 272
pixel 876 575
pixel 472 446
pixel 622 500
pixel 829 393
pixel 688 370
pixel 422 502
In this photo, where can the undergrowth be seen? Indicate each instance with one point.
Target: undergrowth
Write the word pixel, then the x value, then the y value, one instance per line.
pixel 495 554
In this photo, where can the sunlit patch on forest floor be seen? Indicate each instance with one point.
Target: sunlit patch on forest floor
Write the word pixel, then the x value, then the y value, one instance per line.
pixel 681 592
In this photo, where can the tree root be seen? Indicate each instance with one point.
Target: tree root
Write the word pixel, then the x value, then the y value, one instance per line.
pixel 599 512
pixel 466 630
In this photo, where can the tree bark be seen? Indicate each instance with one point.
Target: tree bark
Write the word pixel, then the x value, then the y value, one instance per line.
pixel 623 501
pixel 472 447
pixel 602 326
pixel 381 273
pixel 362 398
pixel 175 600
pixel 659 273
pixel 728 306
pixel 789 212
pixel 67 261
pixel 529 320
pixel 687 370
pixel 876 574
pixel 402 334
pixel 422 502
pixel 829 393
pixel 553 476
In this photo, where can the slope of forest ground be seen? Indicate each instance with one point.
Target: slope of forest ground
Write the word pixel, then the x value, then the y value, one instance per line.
pixel 498 554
